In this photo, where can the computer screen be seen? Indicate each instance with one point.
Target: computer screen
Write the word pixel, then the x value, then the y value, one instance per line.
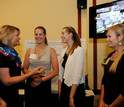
pixel 102 17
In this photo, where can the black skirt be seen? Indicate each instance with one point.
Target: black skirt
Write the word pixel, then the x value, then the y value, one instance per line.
pixel 38 96
pixel 79 97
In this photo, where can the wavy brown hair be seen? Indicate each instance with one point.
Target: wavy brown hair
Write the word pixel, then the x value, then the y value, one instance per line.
pixel 75 38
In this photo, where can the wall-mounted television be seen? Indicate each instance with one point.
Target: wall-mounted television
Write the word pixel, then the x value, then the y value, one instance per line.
pixel 103 16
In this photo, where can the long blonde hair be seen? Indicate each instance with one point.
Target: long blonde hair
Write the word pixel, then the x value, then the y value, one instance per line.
pixel 119 30
pixel 75 38
pixel 115 63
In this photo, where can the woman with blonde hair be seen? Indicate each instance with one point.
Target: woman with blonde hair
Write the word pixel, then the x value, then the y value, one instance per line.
pixel 11 67
pixel 112 88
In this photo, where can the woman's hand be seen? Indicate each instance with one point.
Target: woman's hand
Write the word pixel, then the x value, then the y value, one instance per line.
pixel 38 80
pixel 35 76
pixel 38 70
pixel 34 84
pixel 102 104
pixel 71 102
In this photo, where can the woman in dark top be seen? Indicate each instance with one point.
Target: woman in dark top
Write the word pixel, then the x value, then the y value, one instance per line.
pixel 112 89
pixel 10 66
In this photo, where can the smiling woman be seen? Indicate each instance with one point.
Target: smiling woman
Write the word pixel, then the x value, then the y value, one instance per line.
pixel 113 78
pixel 10 67
pixel 71 78
pixel 38 87
pixel 15 39
pixel 40 33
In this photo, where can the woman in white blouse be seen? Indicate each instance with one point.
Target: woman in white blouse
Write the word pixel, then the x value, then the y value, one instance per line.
pixel 71 75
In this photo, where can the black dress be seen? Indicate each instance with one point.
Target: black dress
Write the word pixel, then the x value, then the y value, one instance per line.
pixel 10 93
pixel 38 96
pixel 113 82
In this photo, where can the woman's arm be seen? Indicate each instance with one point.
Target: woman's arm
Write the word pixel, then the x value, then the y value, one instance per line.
pixel 59 88
pixel 101 101
pixel 2 103
pixel 72 93
pixel 8 80
pixel 26 63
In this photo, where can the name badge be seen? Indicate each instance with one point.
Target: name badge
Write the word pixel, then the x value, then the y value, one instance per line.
pixel 33 56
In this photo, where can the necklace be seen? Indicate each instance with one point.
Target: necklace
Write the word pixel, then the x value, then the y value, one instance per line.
pixel 116 54
pixel 39 50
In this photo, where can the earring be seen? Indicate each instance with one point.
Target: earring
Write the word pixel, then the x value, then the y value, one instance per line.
pixel 119 43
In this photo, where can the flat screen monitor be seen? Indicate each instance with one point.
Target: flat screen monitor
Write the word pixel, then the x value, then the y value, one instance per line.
pixel 103 16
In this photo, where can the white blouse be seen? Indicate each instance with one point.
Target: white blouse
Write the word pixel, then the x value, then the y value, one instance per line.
pixel 74 69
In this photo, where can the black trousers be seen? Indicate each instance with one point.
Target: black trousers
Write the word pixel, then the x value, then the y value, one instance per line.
pixel 79 98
